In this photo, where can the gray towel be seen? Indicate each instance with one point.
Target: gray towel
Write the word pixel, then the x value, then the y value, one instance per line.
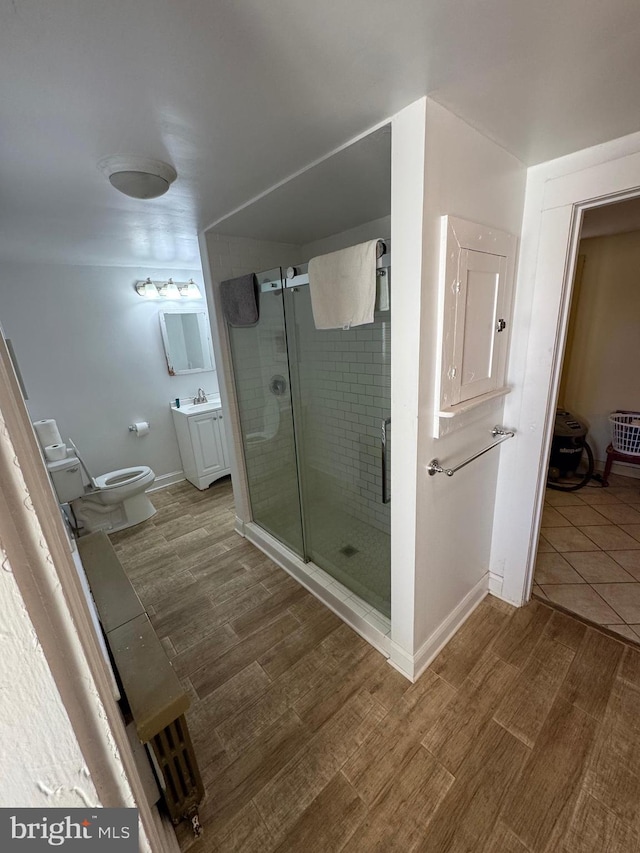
pixel 240 300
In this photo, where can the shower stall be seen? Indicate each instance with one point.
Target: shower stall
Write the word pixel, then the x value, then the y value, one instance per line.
pixel 314 410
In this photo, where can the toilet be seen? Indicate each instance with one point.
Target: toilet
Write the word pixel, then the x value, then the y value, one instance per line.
pixel 111 502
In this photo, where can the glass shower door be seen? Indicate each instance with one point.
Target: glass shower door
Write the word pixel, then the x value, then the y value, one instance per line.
pixel 261 371
pixel 342 399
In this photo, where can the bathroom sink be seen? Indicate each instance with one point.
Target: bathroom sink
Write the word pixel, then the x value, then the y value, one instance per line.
pixel 198 408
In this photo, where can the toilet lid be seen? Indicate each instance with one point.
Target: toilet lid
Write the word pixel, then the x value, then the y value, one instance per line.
pixel 113 479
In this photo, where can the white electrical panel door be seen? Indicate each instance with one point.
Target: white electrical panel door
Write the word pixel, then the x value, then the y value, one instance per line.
pixel 479 324
pixel 474 315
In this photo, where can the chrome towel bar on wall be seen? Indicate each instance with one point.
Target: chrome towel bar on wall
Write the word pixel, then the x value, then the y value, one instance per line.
pixel 434 467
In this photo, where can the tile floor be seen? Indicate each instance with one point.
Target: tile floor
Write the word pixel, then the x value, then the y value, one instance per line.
pixel 589 554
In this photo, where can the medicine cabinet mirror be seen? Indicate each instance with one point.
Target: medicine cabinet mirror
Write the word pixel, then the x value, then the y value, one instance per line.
pixel 187 341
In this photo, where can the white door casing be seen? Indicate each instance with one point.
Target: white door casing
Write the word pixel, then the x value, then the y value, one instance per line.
pixel 557 195
pixel 42 566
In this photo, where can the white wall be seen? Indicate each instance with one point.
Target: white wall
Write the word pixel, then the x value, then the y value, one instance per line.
pixel 367 231
pixel 91 355
pixel 407 207
pixel 39 752
pixel 600 372
pixel 469 176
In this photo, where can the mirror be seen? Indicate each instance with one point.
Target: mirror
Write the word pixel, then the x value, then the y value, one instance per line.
pixel 187 341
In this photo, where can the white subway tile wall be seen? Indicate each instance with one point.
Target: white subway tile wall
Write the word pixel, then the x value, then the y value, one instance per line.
pixel 345 383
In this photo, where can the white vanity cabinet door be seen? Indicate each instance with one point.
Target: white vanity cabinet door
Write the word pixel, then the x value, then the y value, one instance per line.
pixel 202 443
pixel 207 446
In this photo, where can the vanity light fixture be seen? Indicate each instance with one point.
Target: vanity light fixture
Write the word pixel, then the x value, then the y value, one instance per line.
pixel 168 289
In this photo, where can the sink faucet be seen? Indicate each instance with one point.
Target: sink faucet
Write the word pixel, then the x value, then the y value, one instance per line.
pixel 201 398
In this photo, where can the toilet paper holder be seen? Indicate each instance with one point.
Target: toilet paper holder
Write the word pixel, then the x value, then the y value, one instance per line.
pixel 142 426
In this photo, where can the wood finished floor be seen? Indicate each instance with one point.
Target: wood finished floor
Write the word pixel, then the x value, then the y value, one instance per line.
pixel 523 735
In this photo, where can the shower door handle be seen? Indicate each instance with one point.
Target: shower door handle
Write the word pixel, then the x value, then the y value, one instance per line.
pixel 383 440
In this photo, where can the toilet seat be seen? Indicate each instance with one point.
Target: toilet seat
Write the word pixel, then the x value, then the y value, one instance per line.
pixel 121 477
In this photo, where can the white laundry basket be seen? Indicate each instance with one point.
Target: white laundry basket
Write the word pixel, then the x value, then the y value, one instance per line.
pixel 626 432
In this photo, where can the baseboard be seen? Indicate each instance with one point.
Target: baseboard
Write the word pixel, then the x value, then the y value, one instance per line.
pixel 401 660
pixel 239 527
pixel 626 470
pixel 445 631
pixel 165 480
pixel 495 584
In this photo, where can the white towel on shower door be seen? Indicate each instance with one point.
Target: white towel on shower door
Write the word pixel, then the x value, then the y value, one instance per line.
pixel 343 287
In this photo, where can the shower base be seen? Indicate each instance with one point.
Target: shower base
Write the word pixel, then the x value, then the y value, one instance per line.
pixel 354 553
pixel 365 620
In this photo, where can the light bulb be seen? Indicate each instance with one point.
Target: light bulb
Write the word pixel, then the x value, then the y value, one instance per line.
pixel 147 289
pixel 170 290
pixel 191 290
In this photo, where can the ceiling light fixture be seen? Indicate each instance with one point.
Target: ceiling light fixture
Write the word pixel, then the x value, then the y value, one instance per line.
pixel 138 177
pixel 168 289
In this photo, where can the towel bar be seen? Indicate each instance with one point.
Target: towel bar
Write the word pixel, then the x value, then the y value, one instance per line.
pixel 297 276
pixel 434 467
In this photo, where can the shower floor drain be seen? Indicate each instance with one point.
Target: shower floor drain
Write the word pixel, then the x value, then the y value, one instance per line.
pixel 348 551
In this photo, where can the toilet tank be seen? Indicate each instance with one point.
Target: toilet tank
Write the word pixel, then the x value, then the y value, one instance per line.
pixel 67 479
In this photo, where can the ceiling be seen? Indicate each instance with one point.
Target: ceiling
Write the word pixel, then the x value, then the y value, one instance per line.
pixel 616 218
pixel 351 187
pixel 239 94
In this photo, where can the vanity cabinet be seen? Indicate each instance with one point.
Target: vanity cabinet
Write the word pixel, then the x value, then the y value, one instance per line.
pixel 202 442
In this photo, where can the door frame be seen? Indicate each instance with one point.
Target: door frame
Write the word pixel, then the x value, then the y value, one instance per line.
pixel 558 194
pixel 37 545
